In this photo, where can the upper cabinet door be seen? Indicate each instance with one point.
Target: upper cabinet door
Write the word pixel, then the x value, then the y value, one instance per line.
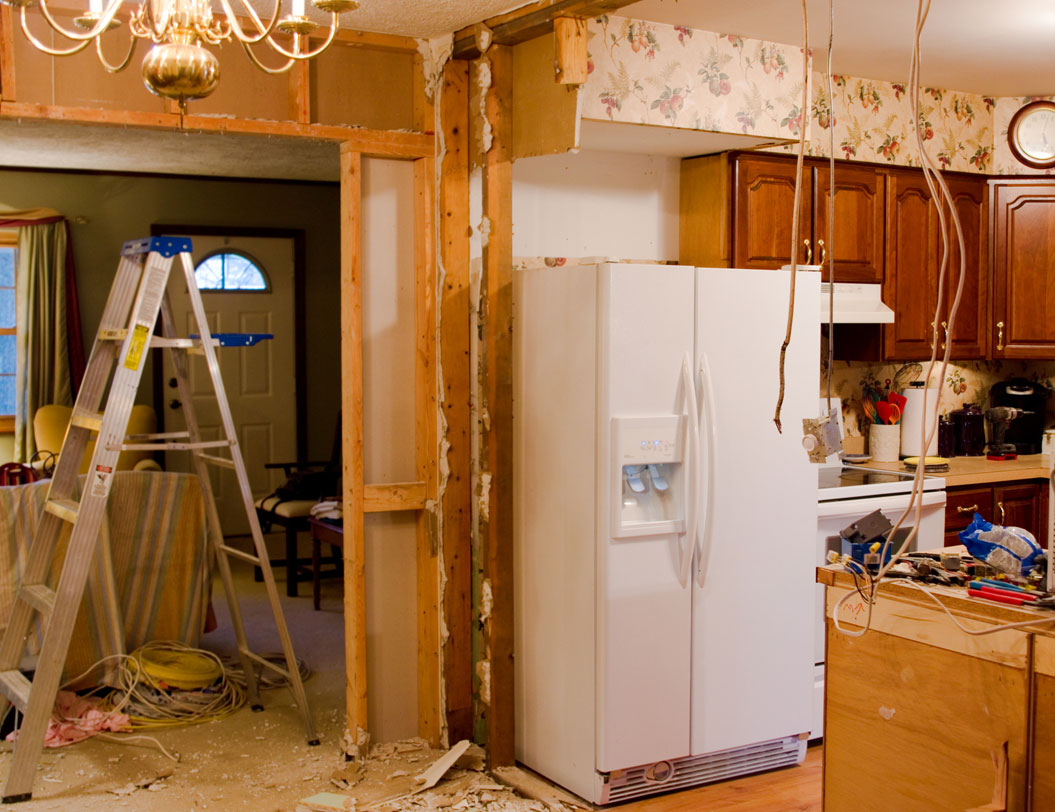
pixel 911 281
pixel 1023 270
pixel 764 196
pixel 970 332
pixel 858 221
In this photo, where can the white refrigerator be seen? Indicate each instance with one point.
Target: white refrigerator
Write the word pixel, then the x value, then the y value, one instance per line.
pixel 664 530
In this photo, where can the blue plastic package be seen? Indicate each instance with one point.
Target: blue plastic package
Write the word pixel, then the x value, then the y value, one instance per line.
pixel 1009 549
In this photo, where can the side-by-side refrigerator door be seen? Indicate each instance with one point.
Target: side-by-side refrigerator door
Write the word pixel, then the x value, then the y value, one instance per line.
pixel 647 446
pixel 753 582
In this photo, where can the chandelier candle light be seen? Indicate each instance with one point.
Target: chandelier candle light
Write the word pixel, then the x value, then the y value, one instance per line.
pixel 178 66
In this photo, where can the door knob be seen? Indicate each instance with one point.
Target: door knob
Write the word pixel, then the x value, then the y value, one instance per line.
pixel 174 404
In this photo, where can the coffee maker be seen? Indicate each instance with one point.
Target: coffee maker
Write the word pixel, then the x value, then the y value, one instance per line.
pixel 1027 431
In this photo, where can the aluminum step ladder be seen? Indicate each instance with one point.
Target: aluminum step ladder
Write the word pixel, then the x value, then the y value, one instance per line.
pixel 126 331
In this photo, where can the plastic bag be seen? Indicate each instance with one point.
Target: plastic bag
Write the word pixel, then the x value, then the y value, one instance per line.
pixel 1009 549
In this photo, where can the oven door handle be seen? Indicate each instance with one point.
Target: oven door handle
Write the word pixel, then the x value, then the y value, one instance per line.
pixel 854 508
pixel 708 419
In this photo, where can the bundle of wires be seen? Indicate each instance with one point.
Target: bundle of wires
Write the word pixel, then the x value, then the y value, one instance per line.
pixel 165 683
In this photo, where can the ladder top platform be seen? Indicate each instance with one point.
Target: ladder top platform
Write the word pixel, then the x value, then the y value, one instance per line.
pixel 166 246
pixel 238 339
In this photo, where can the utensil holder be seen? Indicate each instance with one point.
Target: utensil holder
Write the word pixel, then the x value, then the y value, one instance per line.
pixel 884 442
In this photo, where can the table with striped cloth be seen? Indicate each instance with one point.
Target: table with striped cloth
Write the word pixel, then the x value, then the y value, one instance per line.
pixel 157 532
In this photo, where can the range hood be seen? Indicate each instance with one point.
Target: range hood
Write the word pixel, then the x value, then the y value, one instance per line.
pixel 855 304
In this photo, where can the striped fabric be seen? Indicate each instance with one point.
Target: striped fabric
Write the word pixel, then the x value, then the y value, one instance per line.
pixel 156 531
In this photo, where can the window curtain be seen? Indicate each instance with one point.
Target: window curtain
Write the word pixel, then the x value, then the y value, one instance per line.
pixel 50 355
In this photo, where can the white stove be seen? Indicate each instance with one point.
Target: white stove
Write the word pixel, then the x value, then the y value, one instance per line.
pixel 846 493
pixel 839 482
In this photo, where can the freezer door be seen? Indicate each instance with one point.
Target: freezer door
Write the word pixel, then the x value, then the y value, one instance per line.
pixel 644 609
pixel 752 666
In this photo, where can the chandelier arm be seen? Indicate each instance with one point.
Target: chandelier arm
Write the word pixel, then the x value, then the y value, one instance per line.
pixel 124 63
pixel 40 46
pixel 256 61
pixel 309 54
pixel 100 26
pixel 237 29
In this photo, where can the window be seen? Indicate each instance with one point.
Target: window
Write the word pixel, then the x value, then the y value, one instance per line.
pixel 230 270
pixel 7 330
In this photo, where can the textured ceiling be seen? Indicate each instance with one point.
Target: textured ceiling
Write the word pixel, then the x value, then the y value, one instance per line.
pixel 413 18
pixel 997 49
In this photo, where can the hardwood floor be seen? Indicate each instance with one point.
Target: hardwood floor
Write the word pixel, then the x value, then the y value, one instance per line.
pixel 792 789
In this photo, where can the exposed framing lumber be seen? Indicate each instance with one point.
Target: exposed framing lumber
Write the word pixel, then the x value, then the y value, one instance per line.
pixel 455 367
pixel 370 143
pixel 7 52
pixel 394 497
pixel 530 21
pixel 352 442
pixel 569 34
pixel 300 87
pixel 498 271
pixel 430 725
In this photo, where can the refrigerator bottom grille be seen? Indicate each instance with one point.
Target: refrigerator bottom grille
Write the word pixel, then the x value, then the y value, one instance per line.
pixel 652 779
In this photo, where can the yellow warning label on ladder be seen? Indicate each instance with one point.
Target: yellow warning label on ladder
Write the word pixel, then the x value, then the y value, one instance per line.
pixel 136 346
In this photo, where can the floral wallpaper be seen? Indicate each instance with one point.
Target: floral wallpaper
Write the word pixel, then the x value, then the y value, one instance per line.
pixel 1004 162
pixel 872 121
pixel 650 73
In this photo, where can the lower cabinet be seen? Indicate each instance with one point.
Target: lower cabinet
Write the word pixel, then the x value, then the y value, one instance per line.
pixel 1016 504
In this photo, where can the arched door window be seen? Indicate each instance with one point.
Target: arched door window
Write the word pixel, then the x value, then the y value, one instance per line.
pixel 230 270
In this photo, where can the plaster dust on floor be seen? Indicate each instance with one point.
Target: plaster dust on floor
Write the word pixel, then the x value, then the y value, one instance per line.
pixel 261 761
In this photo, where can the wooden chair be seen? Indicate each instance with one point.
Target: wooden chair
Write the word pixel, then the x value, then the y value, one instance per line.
pixel 293 514
pixel 15 473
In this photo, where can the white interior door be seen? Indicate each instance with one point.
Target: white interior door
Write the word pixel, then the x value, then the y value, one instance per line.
pixel 259 381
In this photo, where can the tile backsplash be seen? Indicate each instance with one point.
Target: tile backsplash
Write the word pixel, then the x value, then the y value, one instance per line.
pixel 965 382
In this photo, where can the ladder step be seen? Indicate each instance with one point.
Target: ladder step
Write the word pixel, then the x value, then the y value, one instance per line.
pixel 223 462
pixel 113 335
pixel 244 556
pixel 93 421
pixel 65 509
pixel 171 446
pixel 39 596
pixel 15 686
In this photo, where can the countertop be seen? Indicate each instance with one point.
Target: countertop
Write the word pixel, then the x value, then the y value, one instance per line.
pixel 981 471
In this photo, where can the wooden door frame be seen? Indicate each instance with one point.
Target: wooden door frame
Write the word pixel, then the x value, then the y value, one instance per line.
pixel 299 334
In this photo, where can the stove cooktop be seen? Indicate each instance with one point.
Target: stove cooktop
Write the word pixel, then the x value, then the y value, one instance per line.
pixel 854 481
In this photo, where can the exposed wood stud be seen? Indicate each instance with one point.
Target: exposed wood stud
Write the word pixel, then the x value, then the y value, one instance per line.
pixel 7 53
pixel 370 143
pixel 300 108
pixel 454 363
pixel 531 21
pixel 424 110
pixel 572 58
pixel 392 497
pixel 352 440
pixel 498 265
pixel 430 726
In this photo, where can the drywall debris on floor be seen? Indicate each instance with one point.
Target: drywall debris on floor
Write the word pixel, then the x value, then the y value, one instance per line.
pixel 409 775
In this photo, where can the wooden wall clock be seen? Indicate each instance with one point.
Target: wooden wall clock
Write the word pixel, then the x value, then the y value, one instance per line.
pixel 1031 134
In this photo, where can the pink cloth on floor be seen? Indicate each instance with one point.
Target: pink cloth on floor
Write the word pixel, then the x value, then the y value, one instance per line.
pixel 75 718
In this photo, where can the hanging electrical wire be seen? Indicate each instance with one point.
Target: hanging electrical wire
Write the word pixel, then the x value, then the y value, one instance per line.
pixel 940 197
pixel 803 113
pixel 831 210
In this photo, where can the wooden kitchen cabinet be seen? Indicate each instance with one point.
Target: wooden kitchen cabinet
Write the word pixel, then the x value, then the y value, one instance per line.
pixel 736 210
pixel 913 264
pixel 1023 296
pixel 1018 504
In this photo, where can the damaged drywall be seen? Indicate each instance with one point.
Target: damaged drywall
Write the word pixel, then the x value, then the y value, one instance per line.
pixel 435 53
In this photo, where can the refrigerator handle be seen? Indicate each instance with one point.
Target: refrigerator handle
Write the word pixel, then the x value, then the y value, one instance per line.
pixel 709 424
pixel 691 468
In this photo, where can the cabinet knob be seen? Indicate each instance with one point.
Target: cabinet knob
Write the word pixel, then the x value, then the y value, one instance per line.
pixel 809 252
pixel 1000 335
pixel 968 509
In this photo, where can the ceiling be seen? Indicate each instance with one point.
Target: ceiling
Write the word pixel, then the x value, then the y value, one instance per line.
pixel 967 45
pixel 996 49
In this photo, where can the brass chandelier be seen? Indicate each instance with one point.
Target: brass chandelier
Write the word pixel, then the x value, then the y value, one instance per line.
pixel 178 66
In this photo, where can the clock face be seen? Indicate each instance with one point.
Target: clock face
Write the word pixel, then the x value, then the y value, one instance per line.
pixel 1032 134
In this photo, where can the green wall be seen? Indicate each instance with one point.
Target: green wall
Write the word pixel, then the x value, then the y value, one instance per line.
pixel 107 210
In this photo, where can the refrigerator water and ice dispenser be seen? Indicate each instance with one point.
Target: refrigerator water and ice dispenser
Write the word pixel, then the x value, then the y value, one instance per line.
pixel 649 486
